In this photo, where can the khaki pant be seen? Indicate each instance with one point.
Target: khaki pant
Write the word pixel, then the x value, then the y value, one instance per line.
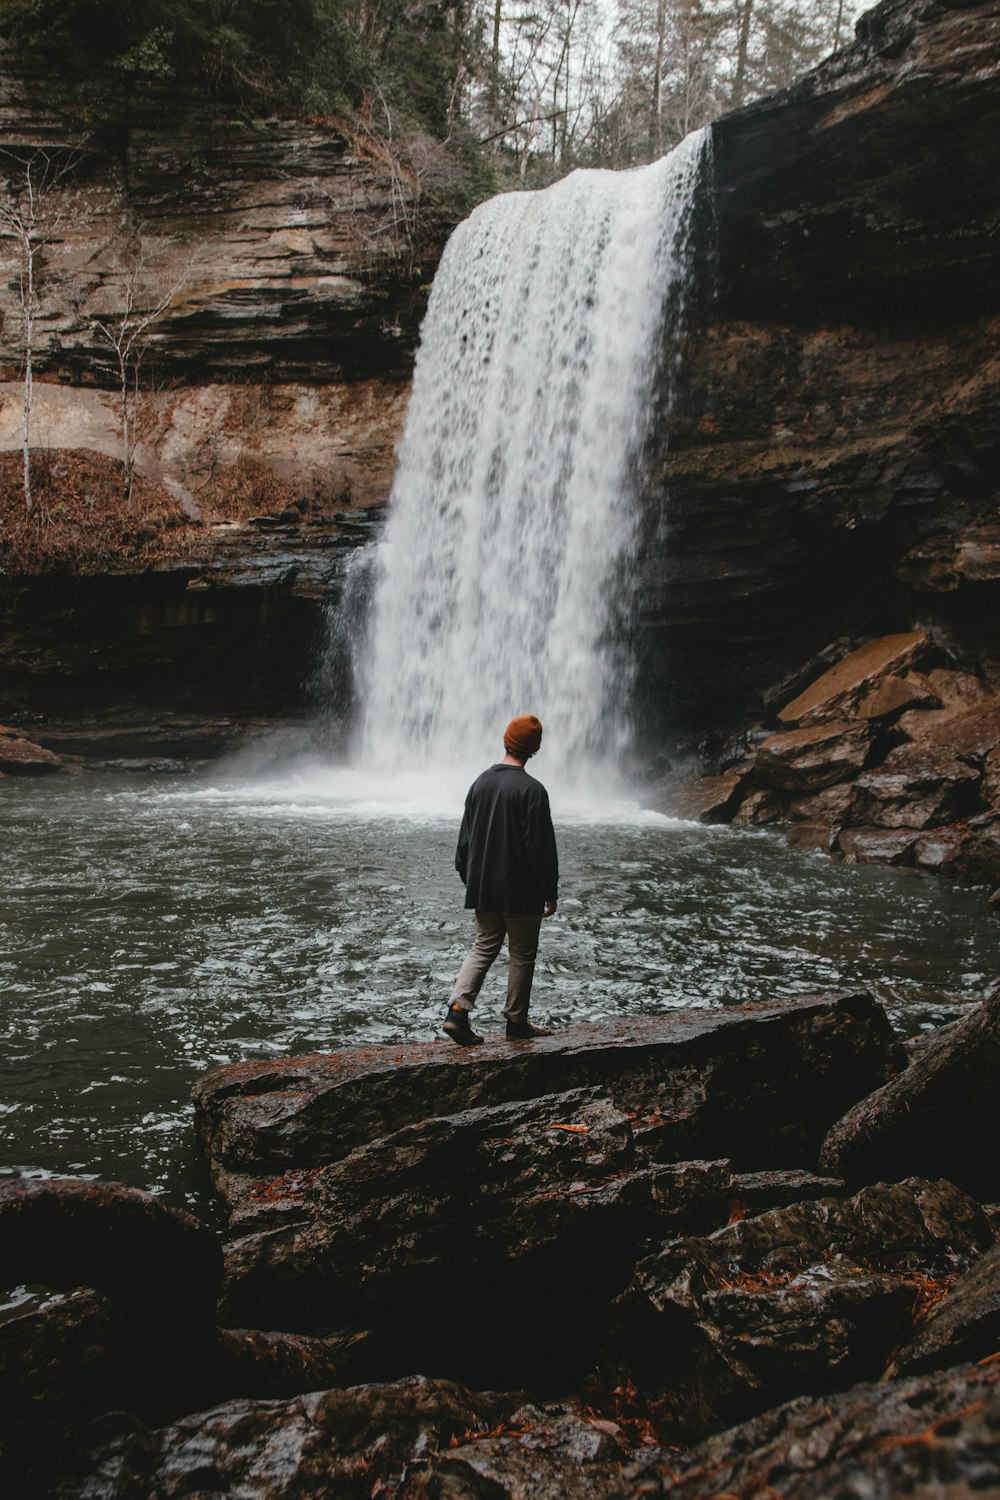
pixel 521 933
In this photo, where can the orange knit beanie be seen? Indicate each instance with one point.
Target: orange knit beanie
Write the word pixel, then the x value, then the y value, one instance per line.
pixel 523 736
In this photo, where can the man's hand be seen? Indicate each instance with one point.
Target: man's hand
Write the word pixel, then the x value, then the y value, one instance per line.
pixel 550 909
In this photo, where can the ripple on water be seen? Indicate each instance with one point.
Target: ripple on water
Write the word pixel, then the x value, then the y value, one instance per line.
pixel 153 928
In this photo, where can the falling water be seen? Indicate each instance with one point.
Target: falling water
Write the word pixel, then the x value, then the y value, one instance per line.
pixel 513 517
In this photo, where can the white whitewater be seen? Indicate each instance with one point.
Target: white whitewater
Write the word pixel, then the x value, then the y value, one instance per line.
pixel 513 517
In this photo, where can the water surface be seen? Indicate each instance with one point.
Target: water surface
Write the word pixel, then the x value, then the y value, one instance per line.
pixel 154 927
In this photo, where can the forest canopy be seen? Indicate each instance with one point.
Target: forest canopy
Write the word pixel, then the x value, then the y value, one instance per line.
pixel 531 88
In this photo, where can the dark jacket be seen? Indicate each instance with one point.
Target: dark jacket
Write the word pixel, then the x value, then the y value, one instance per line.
pixel 507 848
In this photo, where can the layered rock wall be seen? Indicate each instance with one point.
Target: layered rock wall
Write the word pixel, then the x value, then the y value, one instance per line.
pixel 294 260
pixel 839 400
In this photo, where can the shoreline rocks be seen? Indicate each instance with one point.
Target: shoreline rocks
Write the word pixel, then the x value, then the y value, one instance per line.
pixel 912 779
pixel 538 1270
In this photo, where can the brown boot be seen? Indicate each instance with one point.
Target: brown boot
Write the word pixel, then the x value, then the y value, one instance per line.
pixel 522 1031
pixel 459 1028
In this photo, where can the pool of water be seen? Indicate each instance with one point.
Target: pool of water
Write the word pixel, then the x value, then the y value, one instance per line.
pixel 153 927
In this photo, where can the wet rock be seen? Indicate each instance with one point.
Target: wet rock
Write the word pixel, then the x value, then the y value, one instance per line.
pixel 974 859
pixel 706 799
pixel 933 848
pixel 960 690
pixel 795 682
pixel 916 1046
pixel 760 807
pixel 943 564
pixel 877 846
pixel 754 1083
pixel 918 792
pixel 63 1351
pixel 756 1192
pixel 253 1364
pixel 160 1270
pixel 932 1118
pixel 547 1199
pixel 927 1437
pixel 808 1298
pixel 962 1327
pixel 67 1232
pixel 989 787
pixel 828 806
pixel 541 1465
pixel 21 757
pixel 808 759
pixel 895 694
pixel 552 1198
pixel 356 1442
pixel 958 732
pixel 839 693
pixel 819 836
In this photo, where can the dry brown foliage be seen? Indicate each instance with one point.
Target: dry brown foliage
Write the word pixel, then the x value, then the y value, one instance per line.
pixel 80 519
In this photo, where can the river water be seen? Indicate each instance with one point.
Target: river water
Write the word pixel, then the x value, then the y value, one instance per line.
pixel 153 927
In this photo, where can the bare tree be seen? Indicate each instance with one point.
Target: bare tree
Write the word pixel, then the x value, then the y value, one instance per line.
pixel 33 208
pixel 128 331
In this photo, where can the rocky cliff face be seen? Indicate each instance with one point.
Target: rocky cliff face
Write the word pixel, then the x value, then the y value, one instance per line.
pixel 831 465
pixel 296 260
pixel 833 462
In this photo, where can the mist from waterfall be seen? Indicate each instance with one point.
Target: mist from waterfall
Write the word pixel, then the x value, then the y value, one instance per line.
pixel 503 580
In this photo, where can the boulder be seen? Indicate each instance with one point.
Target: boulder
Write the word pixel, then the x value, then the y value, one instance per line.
pixel 62 1351
pixel 552 1197
pixel 895 694
pixel 989 787
pixel 809 1298
pixel 927 1438
pixel 759 1083
pixel 919 792
pixel 817 835
pixel 808 759
pixel 960 690
pixel 943 564
pixel 21 757
pixel 706 799
pixel 958 732
pixel 761 806
pixel 159 1269
pixel 840 691
pixel 974 859
pixel 934 847
pixel 962 1323
pixel 69 1232
pixel 828 806
pixel 356 1442
pixel 876 846
pixel 383 1234
pixel 935 1117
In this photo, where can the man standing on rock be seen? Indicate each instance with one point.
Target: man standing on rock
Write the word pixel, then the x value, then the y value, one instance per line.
pixel 507 859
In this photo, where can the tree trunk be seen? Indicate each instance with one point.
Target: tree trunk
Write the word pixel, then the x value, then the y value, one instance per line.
pixel 742 47
pixel 28 296
pixel 661 40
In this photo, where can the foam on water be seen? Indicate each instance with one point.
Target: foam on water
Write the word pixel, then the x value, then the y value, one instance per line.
pixel 342 793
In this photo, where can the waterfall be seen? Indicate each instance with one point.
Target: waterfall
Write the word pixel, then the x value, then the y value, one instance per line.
pixel 513 519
